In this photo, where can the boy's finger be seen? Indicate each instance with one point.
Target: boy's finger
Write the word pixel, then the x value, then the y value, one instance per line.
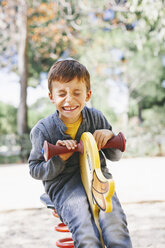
pixel 104 142
pixel 101 142
pixel 97 136
pixel 60 142
pixel 70 144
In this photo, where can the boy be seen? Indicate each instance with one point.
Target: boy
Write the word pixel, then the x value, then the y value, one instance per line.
pixel 69 90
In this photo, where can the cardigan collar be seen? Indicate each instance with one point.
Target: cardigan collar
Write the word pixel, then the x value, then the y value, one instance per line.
pixel 62 127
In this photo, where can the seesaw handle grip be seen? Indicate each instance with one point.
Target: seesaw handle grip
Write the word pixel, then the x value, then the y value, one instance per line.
pixel 49 150
pixel 117 142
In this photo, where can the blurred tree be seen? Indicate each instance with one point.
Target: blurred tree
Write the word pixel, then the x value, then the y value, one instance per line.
pixel 53 27
pixel 13 41
pixel 127 40
pixel 8 122
pixel 14 45
pixel 34 35
pixel 145 52
pixel 40 109
pixel 117 39
pixel 22 126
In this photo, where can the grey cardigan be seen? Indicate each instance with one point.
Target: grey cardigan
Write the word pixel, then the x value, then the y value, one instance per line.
pixel 55 172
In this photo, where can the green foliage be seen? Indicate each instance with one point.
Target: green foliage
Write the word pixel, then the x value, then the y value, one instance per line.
pixel 39 110
pixel 127 48
pixel 147 138
pixel 9 159
pixel 51 27
pixel 154 120
pixel 8 116
pixel 14 148
pixel 145 72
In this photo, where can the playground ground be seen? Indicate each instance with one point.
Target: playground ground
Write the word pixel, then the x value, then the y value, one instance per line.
pixel 140 185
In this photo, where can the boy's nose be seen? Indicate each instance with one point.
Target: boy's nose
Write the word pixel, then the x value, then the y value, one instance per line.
pixel 68 98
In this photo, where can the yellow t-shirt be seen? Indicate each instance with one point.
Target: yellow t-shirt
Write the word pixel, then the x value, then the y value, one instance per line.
pixel 73 127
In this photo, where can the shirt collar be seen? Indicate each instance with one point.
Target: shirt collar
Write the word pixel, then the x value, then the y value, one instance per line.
pixel 61 124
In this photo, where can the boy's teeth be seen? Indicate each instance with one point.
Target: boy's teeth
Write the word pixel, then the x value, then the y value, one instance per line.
pixel 69 108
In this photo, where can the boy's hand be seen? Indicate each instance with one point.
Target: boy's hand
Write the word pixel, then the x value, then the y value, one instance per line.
pixel 102 136
pixel 70 144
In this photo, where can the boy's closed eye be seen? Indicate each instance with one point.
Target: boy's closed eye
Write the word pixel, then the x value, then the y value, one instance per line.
pixel 62 93
pixel 77 93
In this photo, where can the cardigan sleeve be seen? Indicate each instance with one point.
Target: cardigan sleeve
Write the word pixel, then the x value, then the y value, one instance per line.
pixel 39 168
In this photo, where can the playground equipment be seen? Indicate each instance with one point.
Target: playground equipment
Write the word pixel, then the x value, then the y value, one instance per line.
pixel 99 189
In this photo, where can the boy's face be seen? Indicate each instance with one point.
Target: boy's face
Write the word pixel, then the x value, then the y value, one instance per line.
pixel 69 99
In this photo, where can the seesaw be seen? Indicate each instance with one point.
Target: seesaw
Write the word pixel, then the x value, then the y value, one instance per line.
pixel 99 189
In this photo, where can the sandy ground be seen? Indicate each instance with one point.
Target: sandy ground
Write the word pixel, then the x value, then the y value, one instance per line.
pixel 140 184
pixel 29 228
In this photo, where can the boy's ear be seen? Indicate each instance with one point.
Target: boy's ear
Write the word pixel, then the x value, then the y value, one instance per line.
pixel 89 93
pixel 50 97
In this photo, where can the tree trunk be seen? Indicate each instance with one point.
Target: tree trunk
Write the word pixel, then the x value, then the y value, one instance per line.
pixel 22 67
pixel 140 113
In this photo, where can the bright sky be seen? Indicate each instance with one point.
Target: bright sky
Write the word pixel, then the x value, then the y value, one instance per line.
pixel 9 89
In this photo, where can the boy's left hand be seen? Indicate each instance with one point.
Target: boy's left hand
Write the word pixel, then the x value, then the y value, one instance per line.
pixel 102 136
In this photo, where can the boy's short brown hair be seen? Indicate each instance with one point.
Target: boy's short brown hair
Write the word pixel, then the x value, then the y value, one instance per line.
pixel 66 70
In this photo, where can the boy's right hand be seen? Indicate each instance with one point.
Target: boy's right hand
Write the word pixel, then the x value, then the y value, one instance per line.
pixel 70 144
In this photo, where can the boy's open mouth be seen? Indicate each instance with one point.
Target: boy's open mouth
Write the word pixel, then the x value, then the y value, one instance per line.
pixel 69 108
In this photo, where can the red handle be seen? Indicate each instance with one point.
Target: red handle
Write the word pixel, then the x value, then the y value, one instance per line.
pixel 50 150
pixel 117 142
